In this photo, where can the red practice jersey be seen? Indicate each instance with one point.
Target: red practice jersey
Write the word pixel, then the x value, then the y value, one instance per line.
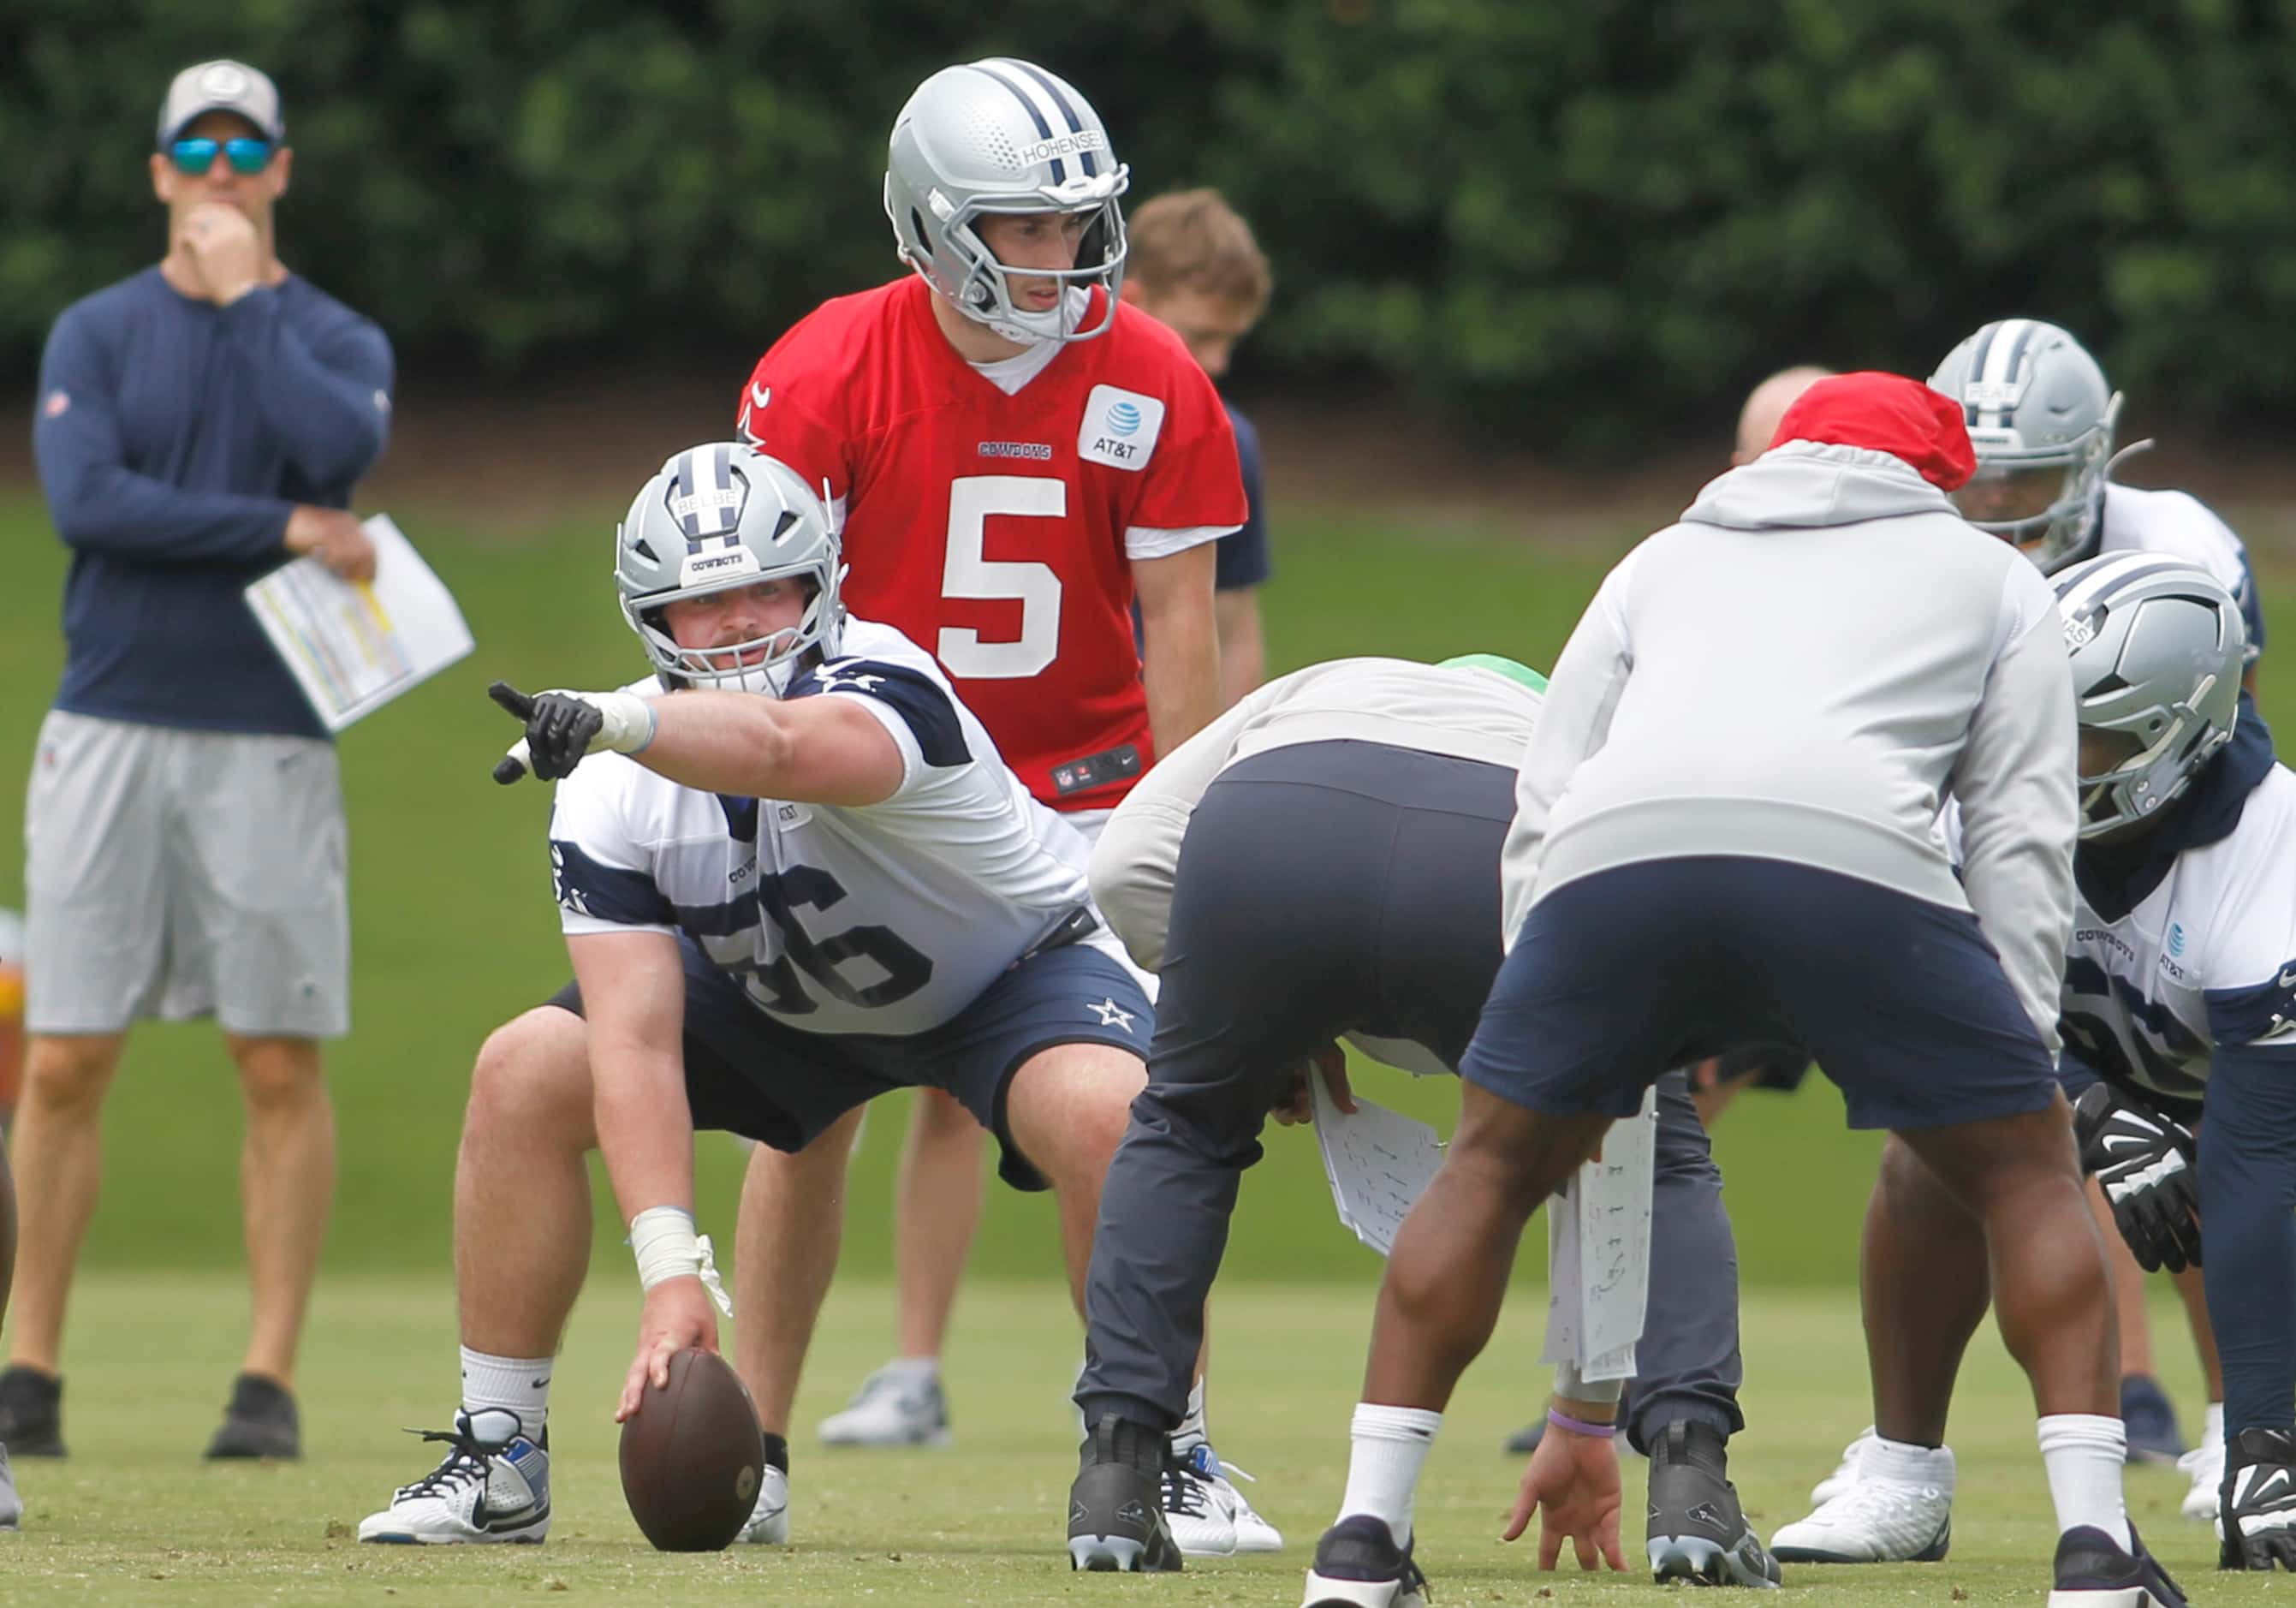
pixel 999 532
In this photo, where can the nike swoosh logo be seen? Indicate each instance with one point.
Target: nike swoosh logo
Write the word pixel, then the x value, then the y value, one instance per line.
pixel 759 397
pixel 2124 1141
pixel 2264 1488
pixel 2288 978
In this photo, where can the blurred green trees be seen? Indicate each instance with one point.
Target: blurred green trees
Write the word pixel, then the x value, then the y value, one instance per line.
pixel 1583 219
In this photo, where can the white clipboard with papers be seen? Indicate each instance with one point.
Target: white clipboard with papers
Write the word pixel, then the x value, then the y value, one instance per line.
pixel 353 647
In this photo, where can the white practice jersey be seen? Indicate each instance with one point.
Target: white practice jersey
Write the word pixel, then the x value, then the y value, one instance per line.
pixel 2207 958
pixel 887 918
pixel 2178 525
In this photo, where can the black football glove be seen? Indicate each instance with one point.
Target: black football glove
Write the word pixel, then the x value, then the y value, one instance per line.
pixel 2144 1161
pixel 561 727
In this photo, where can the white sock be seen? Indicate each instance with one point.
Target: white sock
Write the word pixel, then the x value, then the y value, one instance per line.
pixel 1388 1444
pixel 518 1385
pixel 1902 1463
pixel 2212 1426
pixel 913 1370
pixel 2084 1453
pixel 1192 1432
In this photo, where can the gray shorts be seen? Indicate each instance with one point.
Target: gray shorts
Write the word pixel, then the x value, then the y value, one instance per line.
pixel 181 874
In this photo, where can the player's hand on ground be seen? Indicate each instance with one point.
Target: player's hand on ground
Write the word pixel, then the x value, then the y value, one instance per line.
pixel 2143 1161
pixel 332 536
pixel 1572 1483
pixel 1299 1101
pixel 677 1314
pixel 561 728
pixel 221 241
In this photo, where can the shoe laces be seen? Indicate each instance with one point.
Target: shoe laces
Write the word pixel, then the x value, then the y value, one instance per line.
pixel 1186 1493
pixel 1211 1465
pixel 468 1461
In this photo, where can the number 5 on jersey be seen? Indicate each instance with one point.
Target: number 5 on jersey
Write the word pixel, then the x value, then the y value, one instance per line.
pixel 967 572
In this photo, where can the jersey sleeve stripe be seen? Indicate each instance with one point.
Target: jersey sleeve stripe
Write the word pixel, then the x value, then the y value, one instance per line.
pixel 923 707
pixel 606 894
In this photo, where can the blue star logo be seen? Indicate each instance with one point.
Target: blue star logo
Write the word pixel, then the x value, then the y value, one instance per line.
pixel 1112 1015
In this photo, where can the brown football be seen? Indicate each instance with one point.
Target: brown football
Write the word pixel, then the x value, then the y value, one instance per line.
pixel 691 1456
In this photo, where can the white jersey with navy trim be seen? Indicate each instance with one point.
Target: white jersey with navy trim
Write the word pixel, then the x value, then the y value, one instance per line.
pixel 889 918
pixel 2207 959
pixel 2180 525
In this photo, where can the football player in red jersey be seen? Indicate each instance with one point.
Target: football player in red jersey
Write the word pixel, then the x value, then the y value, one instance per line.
pixel 1016 456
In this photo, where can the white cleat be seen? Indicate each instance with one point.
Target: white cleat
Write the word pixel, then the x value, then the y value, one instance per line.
pixel 1197 1512
pixel 12 1505
pixel 1878 1520
pixel 892 1407
pixel 494 1486
pixel 1845 1472
pixel 768 1524
pixel 1253 1533
pixel 2204 1465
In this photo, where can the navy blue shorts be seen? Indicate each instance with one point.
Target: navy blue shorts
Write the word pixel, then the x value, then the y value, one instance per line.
pixel 1620 974
pixel 748 1074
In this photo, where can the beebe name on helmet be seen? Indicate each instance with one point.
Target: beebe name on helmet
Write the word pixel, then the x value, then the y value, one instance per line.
pixel 1067 144
pixel 693 502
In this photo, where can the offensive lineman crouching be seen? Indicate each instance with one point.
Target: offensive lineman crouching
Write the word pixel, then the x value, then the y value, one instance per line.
pixel 811 880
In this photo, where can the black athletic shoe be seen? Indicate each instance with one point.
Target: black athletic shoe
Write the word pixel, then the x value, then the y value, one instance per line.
pixel 1358 1565
pixel 2256 1506
pixel 1698 1533
pixel 1116 1507
pixel 31 1413
pixel 2093 1571
pixel 259 1422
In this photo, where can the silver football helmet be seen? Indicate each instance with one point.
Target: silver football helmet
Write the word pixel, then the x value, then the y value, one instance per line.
pixel 718 517
pixel 2157 646
pixel 2041 418
pixel 1003 135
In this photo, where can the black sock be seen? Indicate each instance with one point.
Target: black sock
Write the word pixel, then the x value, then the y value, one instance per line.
pixel 778 1452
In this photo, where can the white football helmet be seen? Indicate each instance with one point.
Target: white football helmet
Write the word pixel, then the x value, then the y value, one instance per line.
pixel 718 517
pixel 2157 646
pixel 2041 418
pixel 1004 136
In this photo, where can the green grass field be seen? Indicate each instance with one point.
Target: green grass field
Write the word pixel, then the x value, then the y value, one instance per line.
pixel 135 1518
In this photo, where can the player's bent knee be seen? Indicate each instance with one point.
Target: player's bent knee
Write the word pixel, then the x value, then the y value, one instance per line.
pixel 65 1072
pixel 536 1066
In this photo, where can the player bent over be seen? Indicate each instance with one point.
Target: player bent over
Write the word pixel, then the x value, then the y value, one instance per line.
pixel 1723 832
pixel 1339 875
pixel 2179 1002
pixel 811 880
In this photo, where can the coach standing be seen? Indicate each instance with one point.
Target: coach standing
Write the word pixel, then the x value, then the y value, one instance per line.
pixel 198 424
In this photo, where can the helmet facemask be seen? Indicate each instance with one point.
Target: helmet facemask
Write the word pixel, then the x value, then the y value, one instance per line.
pixel 2153 759
pixel 2046 503
pixel 981 287
pixel 761 664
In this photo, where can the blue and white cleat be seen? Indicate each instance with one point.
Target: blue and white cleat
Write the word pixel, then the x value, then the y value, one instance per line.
pixel 494 1486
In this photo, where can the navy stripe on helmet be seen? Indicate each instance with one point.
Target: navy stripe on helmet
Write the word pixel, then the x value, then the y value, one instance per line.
pixel 1976 370
pixel 681 485
pixel 1043 129
pixel 1051 87
pixel 2017 356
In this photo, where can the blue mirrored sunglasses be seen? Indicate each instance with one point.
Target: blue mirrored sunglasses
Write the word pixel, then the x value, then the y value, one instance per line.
pixel 195 157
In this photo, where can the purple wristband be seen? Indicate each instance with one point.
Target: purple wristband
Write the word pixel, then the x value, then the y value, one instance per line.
pixel 1579 1426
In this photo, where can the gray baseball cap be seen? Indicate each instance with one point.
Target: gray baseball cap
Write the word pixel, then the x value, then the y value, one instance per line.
pixel 221 87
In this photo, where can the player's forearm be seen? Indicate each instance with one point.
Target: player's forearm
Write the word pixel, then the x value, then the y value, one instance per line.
pixel 645 1130
pixel 734 744
pixel 1243 650
pixel 1181 669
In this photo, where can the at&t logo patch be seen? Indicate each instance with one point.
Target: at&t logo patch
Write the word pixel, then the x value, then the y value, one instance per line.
pixel 1120 428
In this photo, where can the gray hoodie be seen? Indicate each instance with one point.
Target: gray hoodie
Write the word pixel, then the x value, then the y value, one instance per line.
pixel 1803 670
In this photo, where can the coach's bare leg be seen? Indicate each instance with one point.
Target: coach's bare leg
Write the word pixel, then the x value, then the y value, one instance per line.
pixel 2052 1292
pixel 58 1162
pixel 1924 1282
pixel 7 1232
pixel 785 1246
pixel 522 1190
pixel 1068 1108
pixel 1447 1276
pixel 286 1189
pixel 936 1211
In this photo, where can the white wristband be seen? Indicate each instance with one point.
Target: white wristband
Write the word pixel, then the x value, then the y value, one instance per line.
pixel 663 1241
pixel 629 721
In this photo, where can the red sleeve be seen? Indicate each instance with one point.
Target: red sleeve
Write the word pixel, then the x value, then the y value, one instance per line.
pixel 785 412
pixel 1194 479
